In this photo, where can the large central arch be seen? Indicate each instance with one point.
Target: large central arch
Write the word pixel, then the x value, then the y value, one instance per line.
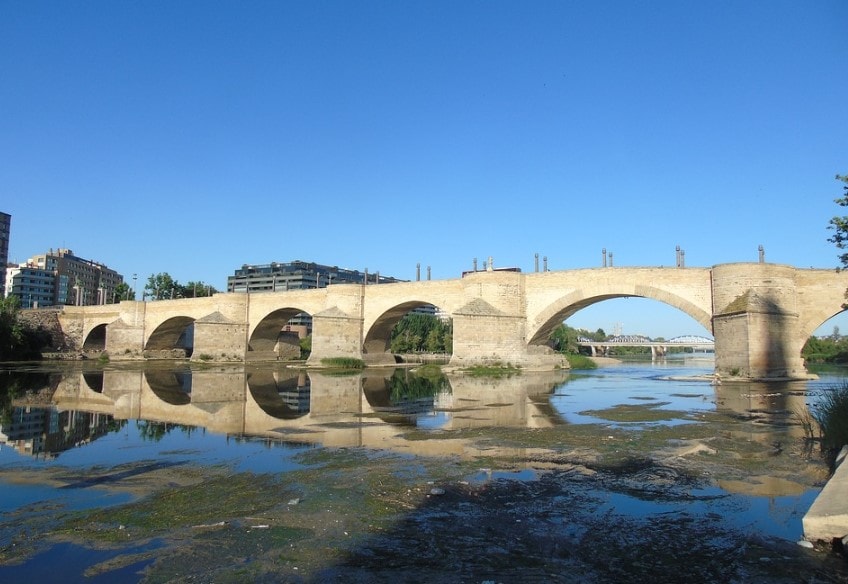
pixel 569 304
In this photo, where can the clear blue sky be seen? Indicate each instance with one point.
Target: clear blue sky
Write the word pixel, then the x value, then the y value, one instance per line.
pixel 194 137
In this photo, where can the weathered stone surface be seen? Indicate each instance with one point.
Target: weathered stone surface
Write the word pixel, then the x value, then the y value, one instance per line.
pixel 827 518
pixel 47 319
pixel 760 315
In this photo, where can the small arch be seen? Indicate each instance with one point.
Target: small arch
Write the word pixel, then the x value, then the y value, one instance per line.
pixel 94 380
pixel 96 339
pixel 277 336
pixel 175 334
pixel 172 387
pixel 285 395
pixel 378 339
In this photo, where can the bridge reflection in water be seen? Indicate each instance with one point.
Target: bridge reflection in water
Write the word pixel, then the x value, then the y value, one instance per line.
pixel 367 409
pixel 288 405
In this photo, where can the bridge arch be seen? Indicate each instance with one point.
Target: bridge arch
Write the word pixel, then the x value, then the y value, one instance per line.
pixel 172 387
pixel 278 334
pixel 816 320
pixel 569 304
pixel 378 337
pixel 174 333
pixel 94 380
pixel 95 340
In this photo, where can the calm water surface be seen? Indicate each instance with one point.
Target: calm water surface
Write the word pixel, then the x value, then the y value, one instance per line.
pixel 261 420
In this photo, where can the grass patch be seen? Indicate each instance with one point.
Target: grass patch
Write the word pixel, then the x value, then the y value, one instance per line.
pixel 343 363
pixel 580 362
pixel 217 499
pixel 429 371
pixel 495 370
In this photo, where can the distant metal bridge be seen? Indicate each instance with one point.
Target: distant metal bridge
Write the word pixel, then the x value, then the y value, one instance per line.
pixel 658 348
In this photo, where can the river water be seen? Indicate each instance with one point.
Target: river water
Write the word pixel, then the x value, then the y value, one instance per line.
pixel 634 471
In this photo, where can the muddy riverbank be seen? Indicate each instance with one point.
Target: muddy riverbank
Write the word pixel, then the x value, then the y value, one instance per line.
pixel 574 513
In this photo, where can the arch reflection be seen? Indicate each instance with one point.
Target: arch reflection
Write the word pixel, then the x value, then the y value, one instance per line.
pixel 282 394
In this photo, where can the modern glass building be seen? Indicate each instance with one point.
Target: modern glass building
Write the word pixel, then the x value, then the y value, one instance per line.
pixel 298 275
pixel 34 287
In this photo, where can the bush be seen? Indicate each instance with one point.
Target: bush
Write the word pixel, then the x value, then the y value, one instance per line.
pixel 831 414
pixel 580 362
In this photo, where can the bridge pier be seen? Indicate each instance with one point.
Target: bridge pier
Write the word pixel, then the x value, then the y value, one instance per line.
pixel 757 332
pixel 124 341
pixel 758 345
pixel 485 336
pixel 215 336
pixel 335 334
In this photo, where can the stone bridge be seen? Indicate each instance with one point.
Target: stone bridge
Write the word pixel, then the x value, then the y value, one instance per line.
pixel 759 314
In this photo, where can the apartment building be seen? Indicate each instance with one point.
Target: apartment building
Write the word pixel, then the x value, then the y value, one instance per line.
pixel 5 232
pixel 35 287
pixel 298 275
pixel 75 280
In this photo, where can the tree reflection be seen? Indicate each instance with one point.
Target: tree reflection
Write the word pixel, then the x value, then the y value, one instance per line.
pixel 154 431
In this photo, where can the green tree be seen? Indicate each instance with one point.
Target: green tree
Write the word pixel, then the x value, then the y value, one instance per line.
pixel 197 289
pixel 123 292
pixel 565 338
pixel 418 332
pixel 840 224
pixel 305 347
pixel 160 286
pixel 17 339
pixel 434 342
pixel 825 350
pixel 9 328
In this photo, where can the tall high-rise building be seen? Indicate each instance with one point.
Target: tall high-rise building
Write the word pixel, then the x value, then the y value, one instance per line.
pixel 5 230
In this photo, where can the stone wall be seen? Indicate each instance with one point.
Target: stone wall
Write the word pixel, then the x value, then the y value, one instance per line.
pixel 47 319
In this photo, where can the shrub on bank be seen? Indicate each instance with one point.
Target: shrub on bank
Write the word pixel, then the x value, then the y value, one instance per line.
pixel 580 362
pixel 831 415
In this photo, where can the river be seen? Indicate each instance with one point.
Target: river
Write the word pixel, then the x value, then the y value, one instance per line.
pixel 639 472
